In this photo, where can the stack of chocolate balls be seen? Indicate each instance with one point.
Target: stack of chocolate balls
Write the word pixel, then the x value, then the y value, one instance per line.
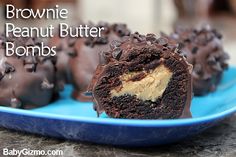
pixel 125 74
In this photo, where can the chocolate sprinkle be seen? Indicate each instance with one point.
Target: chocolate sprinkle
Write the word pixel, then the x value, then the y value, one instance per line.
pixel 46 85
pixel 117 53
pixel 9 68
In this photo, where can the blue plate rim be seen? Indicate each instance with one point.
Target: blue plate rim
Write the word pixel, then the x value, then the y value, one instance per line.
pixel 126 122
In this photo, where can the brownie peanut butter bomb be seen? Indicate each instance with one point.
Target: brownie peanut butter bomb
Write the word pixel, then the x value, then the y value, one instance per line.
pixel 203 49
pixel 65 50
pixel 143 78
pixel 84 63
pixel 25 81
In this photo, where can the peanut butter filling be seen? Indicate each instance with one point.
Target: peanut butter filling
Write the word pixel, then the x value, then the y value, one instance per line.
pixel 151 87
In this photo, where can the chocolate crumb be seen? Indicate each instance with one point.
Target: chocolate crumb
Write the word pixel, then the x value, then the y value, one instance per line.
pixel 46 85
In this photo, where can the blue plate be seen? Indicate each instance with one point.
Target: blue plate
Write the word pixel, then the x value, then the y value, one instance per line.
pixel 73 120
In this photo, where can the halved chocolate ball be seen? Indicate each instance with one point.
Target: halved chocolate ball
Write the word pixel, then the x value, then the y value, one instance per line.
pixel 26 81
pixel 143 78
pixel 204 50
pixel 84 63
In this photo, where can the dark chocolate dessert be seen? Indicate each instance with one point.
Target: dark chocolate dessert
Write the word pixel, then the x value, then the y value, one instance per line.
pixel 203 49
pixel 143 78
pixel 25 81
pixel 65 49
pixel 84 64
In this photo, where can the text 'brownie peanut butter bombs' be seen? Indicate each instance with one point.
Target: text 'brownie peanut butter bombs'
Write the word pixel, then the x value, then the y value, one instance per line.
pixel 84 63
pixel 25 81
pixel 204 50
pixel 143 78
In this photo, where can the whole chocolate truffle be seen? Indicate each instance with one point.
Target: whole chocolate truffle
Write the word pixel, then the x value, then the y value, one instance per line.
pixel 65 49
pixel 143 78
pixel 85 62
pixel 204 50
pixel 26 81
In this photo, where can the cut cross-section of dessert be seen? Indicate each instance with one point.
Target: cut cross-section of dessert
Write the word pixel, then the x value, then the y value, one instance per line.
pixel 143 78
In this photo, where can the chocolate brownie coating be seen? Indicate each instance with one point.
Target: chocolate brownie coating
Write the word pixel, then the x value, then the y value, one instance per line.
pixel 65 50
pixel 84 63
pixel 26 82
pixel 204 50
pixel 133 81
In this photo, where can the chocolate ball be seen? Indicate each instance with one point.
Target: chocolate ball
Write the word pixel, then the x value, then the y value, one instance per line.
pixel 26 81
pixel 204 50
pixel 65 50
pixel 84 63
